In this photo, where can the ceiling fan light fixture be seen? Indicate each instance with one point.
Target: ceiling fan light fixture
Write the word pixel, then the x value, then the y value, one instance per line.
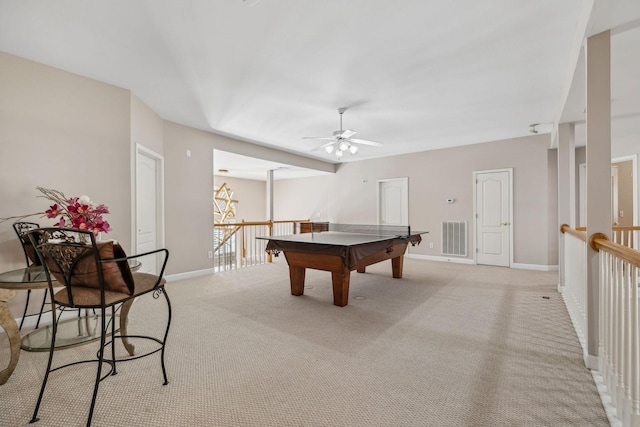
pixel 341 141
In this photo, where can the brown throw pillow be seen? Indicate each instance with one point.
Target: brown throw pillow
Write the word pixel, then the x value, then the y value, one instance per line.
pixel 116 275
pixel 31 252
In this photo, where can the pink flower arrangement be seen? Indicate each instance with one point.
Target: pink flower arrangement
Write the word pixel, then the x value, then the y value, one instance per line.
pixel 79 213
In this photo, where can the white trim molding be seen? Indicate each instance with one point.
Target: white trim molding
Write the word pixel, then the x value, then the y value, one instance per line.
pixel 441 259
pixel 189 274
pixel 537 267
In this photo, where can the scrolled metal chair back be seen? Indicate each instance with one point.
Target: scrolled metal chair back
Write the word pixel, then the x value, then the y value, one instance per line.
pixel 60 249
pixel 22 228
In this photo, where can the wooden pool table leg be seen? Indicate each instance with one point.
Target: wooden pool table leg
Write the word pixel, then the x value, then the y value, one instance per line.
pixel 341 279
pixel 296 276
pixel 396 266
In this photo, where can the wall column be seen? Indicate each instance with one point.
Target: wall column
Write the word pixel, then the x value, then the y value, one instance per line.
pixel 598 132
pixel 566 189
pixel 269 195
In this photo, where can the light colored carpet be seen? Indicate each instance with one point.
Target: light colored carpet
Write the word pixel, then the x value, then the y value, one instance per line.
pixel 448 345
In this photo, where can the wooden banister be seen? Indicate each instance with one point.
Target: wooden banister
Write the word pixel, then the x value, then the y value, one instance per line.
pixel 599 241
pixel 253 223
pixel 625 235
pixel 613 228
pixel 234 243
pixel 580 234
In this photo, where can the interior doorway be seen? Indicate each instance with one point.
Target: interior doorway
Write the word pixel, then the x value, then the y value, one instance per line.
pixel 624 192
pixel 393 201
pixel 493 207
pixel 149 206
pixel 625 209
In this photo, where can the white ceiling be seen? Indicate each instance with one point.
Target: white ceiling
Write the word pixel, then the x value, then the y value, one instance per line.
pixel 415 74
pixel 238 166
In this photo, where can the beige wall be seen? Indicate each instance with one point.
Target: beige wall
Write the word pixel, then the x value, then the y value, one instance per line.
pixel 621 148
pixel 628 145
pixel 53 113
pixel 350 196
pixel 78 135
pixel 553 225
pixel 62 131
pixel 146 126
pixel 580 158
pixel 250 194
pixel 188 191
pixel 189 188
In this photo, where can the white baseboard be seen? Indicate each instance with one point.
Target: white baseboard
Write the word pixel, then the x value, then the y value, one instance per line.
pixel 607 402
pixel 515 265
pixel 189 274
pixel 441 258
pixel 537 267
pixel 590 361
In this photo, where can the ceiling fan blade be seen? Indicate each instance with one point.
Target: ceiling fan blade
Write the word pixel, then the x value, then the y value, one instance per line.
pixel 324 145
pixel 342 141
pixel 347 133
pixel 328 138
pixel 366 142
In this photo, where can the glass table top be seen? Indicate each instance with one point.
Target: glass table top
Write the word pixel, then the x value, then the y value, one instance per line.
pixel 15 279
pixel 71 332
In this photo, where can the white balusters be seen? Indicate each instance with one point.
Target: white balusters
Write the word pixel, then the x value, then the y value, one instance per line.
pixel 236 246
pixel 575 294
pixel 619 347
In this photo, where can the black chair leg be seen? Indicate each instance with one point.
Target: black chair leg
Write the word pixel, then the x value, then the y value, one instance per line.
pixel 46 375
pixel 164 341
pixel 44 301
pixel 113 341
pixel 103 333
pixel 26 307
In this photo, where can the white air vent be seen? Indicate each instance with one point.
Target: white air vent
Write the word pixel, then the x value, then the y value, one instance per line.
pixel 454 238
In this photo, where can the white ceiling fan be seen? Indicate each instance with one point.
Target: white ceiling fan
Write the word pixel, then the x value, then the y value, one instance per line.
pixel 341 141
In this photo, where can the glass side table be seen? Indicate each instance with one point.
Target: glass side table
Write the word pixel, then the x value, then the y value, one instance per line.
pixel 76 331
pixel 72 332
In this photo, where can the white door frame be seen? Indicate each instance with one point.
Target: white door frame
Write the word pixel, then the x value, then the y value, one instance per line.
pixel 634 166
pixel 159 159
pixel 475 212
pixel 405 180
pixel 582 186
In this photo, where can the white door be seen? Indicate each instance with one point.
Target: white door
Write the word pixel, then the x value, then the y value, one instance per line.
pixel 393 201
pixel 615 213
pixel 493 218
pixel 148 208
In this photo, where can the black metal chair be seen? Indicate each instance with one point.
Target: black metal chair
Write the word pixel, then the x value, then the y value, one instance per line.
pixel 96 275
pixel 22 228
